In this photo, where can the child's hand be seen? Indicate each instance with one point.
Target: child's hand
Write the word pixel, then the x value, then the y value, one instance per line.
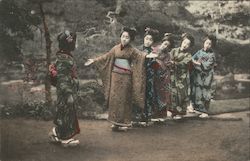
pixel 51 67
pixel 199 61
pixel 196 62
pixel 52 70
pixel 89 62
pixel 171 62
pixel 152 55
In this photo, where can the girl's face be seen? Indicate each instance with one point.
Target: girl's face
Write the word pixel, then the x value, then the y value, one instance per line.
pixel 185 44
pixel 165 45
pixel 148 41
pixel 125 38
pixel 207 45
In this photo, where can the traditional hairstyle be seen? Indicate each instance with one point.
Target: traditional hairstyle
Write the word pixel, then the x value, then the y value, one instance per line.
pixel 63 43
pixel 169 37
pixel 189 37
pixel 212 38
pixel 131 32
pixel 153 32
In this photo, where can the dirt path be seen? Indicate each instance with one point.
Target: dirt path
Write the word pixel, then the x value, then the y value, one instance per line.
pixel 189 140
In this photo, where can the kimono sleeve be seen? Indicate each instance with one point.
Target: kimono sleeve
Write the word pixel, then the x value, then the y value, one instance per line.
pixel 185 61
pixel 137 54
pixel 187 57
pixel 104 65
pixel 138 77
pixel 195 57
pixel 172 54
pixel 208 64
pixel 105 56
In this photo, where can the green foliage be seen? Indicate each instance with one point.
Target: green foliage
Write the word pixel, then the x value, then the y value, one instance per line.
pixel 156 20
pixel 79 15
pixel 132 11
pixel 90 101
pixel 9 48
pixel 15 23
pixel 37 110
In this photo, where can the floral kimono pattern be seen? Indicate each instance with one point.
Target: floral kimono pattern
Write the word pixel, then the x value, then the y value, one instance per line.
pixel 140 114
pixel 179 81
pixel 162 84
pixel 202 79
pixel 67 86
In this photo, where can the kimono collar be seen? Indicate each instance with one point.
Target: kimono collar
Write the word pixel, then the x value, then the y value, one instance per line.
pixel 207 51
pixel 122 47
pixel 64 52
pixel 182 51
pixel 149 49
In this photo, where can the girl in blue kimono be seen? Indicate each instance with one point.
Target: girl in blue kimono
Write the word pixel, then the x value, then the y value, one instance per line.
pixel 202 76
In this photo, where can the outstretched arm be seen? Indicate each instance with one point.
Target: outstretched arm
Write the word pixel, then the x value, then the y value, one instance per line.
pixel 152 55
pixel 89 62
pixel 100 58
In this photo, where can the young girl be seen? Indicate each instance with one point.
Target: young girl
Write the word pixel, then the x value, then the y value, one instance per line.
pixel 202 76
pixel 66 84
pixel 180 59
pixel 123 75
pixel 162 80
pixel 150 37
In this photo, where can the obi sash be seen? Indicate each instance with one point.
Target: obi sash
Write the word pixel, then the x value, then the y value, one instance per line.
pixel 122 66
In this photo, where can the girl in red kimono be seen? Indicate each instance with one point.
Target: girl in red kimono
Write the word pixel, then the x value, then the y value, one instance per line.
pixel 162 80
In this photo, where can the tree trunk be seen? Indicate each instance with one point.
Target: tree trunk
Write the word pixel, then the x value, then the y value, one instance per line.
pixel 48 41
pixel 119 4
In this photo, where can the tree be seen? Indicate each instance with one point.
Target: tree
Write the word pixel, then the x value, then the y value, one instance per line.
pixel 48 41
pixel 16 21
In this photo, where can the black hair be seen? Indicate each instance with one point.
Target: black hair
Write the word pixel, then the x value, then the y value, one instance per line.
pixel 212 38
pixel 168 37
pixel 153 32
pixel 63 43
pixel 189 37
pixel 130 31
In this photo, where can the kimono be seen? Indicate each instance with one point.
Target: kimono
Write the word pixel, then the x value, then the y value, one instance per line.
pixel 202 79
pixel 144 114
pixel 162 84
pixel 179 81
pixel 67 86
pixel 123 86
